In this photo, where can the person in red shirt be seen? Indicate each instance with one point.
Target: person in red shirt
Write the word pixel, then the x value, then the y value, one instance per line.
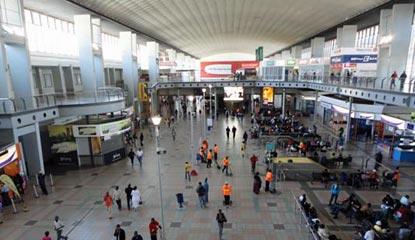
pixel 253 160
pixel 393 77
pixel 46 237
pixel 154 226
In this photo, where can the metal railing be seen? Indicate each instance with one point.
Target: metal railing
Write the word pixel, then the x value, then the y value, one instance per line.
pixel 8 105
pixel 298 210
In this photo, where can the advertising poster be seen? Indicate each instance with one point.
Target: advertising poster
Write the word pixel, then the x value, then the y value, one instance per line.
pixel 233 93
pixel 9 154
pixel 268 95
pixel 142 92
pixel 85 131
pixel 63 144
pixel 223 69
pixel 115 127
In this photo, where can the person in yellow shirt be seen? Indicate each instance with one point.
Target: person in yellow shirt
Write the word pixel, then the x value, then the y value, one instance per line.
pixel 225 163
pixel 268 178
pixel 209 158
pixel 187 168
pixel 227 190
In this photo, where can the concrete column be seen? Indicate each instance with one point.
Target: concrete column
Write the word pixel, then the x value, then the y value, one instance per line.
pixel 153 61
pixel 348 36
pixel 180 61
pixel 394 36
pixel 128 44
pixel 216 104
pixel 315 106
pixel 296 52
pixel 62 78
pixel 286 55
pixel 88 32
pixel 283 102
pixel 339 38
pixel 317 47
pixel 6 89
pixel 252 100
pixel 349 120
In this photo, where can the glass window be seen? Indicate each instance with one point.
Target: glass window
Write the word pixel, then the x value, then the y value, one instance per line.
pixel 78 79
pixel 65 26
pixel 28 16
pixel 58 24
pixel 36 18
pixel 51 23
pixel 47 80
pixel 10 12
pixel 43 20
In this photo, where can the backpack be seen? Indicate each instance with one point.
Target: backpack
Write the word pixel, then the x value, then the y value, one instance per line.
pixel 193 173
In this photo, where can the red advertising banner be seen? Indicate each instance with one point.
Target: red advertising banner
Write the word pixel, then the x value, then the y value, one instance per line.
pixel 224 68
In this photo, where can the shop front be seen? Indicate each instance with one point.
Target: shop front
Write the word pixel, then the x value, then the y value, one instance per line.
pixel 349 62
pixel 101 144
pixel 11 165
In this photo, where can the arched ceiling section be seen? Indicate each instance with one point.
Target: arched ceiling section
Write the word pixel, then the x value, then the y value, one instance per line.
pixel 207 27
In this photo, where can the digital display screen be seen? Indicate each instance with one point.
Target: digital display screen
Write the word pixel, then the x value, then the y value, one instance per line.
pixel 268 95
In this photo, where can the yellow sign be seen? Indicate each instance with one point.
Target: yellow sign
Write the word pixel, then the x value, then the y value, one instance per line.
pixel 142 92
pixel 267 95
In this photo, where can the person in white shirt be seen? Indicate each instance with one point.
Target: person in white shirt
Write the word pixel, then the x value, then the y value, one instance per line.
pixel 369 235
pixel 405 200
pixel 116 195
pixel 140 154
pixel 59 229
pixel 136 198
pixel 322 233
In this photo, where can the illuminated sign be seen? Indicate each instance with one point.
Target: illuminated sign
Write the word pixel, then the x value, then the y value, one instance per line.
pixel 267 95
pixel 233 93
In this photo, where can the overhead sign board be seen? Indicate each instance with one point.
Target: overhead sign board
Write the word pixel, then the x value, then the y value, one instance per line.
pixel 219 69
pixel 368 58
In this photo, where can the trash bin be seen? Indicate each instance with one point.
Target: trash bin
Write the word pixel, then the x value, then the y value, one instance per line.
pixel 179 197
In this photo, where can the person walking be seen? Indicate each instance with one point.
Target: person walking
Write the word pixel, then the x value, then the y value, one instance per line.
pixel 154 226
pixel 59 229
pixel 116 195
pixel 395 177
pixel 227 190
pixel 42 182
pixel 200 190
pixel 221 219
pixel 206 186
pixel 209 158
pixel 334 190
pixel 46 237
pixel 140 154
pixel 402 79
pixel 268 178
pixel 135 198
pixel 243 149
pixel 393 78
pixel 108 204
pixel 215 153
pixel 257 183
pixel 245 137
pixel 378 159
pixel 233 132
pixel 131 155
pixel 119 233
pixel 137 236
pixel 141 139
pixel 135 139
pixel 128 191
pixel 187 168
pixel 227 132
pixel 225 163
pixel 253 160
pixel 173 134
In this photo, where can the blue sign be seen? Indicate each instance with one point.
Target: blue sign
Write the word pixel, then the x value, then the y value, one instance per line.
pixel 370 58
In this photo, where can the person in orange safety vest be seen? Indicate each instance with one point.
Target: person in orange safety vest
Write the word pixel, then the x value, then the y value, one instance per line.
pixel 225 163
pixel 227 190
pixel 268 178
pixel 209 158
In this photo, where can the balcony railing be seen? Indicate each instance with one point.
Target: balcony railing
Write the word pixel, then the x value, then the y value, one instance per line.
pixel 15 105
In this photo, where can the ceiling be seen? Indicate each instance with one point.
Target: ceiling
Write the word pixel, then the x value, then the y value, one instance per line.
pixel 207 27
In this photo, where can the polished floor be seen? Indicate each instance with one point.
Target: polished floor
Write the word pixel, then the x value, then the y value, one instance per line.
pixel 77 196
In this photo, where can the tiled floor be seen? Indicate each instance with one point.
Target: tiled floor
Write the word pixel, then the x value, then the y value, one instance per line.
pixel 77 196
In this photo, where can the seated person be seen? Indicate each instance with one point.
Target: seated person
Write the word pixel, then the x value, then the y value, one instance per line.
pixel 404 231
pixel 345 205
pixel 343 178
pixel 378 227
pixel 366 210
pixel 312 214
pixel 302 199
pixel 401 214
pixel 322 233
pixel 325 177
pixel 373 179
pixel 347 161
pixel 387 204
pixel 315 224
pixel 405 200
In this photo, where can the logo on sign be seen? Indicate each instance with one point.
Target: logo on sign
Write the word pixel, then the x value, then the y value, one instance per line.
pixel 219 69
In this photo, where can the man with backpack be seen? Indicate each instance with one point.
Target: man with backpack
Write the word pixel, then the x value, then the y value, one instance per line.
pixel 201 191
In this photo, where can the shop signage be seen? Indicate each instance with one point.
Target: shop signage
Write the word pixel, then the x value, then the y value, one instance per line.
pixel 9 155
pixel 85 130
pixel 290 63
pixel 142 92
pixel 220 69
pixel 325 105
pixel 105 129
pixel 302 61
pixel 315 61
pixel 368 58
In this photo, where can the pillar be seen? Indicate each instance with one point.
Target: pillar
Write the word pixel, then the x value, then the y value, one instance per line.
pixel 317 47
pixel 252 100
pixel 283 102
pixel 180 61
pixel 346 36
pixel 349 120
pixel 296 52
pixel 88 33
pixel 6 91
pixel 153 61
pixel 128 45
pixel 286 54
pixel 394 36
pixel 315 106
